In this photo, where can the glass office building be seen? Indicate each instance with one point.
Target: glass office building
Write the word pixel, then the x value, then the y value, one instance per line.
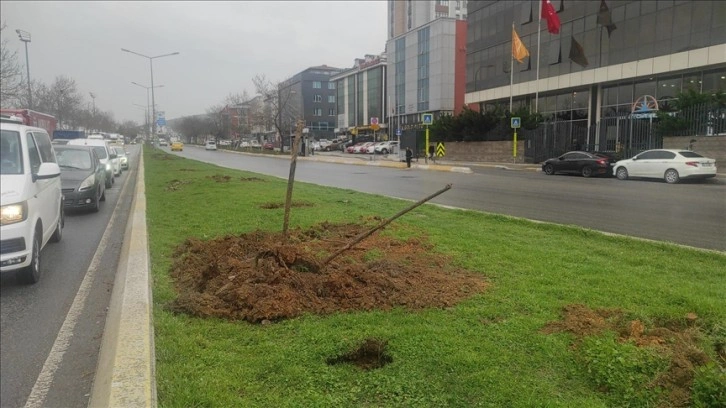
pixel 653 48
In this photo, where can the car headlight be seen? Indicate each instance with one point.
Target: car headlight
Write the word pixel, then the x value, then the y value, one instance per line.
pixel 88 183
pixel 12 213
pixel 108 167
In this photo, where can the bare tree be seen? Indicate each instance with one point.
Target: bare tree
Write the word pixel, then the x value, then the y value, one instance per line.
pixel 281 111
pixel 11 77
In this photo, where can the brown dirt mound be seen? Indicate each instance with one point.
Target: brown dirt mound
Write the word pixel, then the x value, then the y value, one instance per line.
pixel 676 340
pixel 369 355
pixel 255 277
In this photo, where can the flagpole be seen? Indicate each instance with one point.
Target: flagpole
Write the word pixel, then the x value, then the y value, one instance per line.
pixel 536 87
pixel 511 72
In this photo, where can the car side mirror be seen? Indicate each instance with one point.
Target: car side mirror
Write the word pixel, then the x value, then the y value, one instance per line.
pixel 113 156
pixel 561 158
pixel 635 158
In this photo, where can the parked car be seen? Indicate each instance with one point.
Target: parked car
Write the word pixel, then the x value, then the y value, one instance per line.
pixel 123 158
pixel 268 146
pixel 351 147
pixel 83 177
pixel 333 146
pixel 104 153
pixel 386 147
pixel 577 162
pixel 177 146
pixel 210 145
pixel 669 165
pixel 363 148
pixel 31 202
pixel 163 142
pixel 371 148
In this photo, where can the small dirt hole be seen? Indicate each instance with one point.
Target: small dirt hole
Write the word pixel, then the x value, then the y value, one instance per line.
pixel 369 355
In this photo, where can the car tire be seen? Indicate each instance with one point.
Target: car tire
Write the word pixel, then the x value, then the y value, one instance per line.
pixel 96 203
pixel 671 176
pixel 586 171
pixel 549 169
pixel 58 233
pixel 621 173
pixel 103 194
pixel 31 273
pixel 109 181
pixel 384 151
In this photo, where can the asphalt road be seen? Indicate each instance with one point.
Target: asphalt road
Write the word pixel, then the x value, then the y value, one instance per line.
pixel 690 213
pixel 51 331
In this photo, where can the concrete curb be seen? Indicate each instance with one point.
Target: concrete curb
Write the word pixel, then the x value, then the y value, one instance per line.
pixel 125 376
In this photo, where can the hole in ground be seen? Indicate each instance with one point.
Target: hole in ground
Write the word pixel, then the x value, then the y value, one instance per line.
pixel 369 355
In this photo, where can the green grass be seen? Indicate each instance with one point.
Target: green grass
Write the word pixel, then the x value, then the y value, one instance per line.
pixel 487 351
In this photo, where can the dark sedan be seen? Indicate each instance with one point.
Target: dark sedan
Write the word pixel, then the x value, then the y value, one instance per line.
pixel 583 163
pixel 82 177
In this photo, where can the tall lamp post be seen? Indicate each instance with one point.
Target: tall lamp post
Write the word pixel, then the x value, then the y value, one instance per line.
pixel 146 114
pixel 25 37
pixel 151 68
pixel 147 97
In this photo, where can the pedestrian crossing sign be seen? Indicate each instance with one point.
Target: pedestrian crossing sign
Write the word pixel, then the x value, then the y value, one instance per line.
pixel 516 122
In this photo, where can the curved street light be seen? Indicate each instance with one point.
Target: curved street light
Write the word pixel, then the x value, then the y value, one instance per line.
pixel 151 68
pixel 147 97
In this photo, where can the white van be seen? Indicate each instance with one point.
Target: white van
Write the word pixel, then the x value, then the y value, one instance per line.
pixel 31 200
pixel 104 153
pixel 210 145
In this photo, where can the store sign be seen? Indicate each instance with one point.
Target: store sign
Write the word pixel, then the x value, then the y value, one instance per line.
pixel 644 107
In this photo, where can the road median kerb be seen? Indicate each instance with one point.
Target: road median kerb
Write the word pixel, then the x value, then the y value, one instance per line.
pixel 125 376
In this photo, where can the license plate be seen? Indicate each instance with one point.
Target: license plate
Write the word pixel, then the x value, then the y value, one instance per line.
pixel 707 164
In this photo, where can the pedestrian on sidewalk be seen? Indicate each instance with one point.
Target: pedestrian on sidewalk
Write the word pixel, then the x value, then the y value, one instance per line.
pixel 409 156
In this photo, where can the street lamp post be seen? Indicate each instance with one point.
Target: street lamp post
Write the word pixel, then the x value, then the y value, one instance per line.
pixel 147 98
pixel 25 37
pixel 151 69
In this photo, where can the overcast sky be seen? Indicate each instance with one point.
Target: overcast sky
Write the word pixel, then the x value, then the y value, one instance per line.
pixel 222 46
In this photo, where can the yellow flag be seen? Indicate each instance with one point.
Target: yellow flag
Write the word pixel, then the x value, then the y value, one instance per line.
pixel 519 51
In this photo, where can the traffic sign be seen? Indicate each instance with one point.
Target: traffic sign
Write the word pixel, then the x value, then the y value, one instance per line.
pixel 374 120
pixel 375 127
pixel 398 132
pixel 516 122
pixel 428 118
pixel 440 149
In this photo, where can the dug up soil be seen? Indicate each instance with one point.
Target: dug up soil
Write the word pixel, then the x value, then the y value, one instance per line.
pixel 677 340
pixel 259 277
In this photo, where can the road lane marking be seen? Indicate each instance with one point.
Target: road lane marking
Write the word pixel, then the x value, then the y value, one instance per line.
pixel 37 396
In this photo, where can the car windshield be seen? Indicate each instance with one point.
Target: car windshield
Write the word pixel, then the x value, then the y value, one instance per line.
pixel 11 161
pixel 100 152
pixel 73 159
pixel 689 154
pixel 119 152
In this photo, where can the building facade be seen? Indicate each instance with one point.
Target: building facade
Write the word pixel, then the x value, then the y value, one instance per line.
pixel 407 15
pixel 426 72
pixel 604 63
pixel 310 95
pixel 361 96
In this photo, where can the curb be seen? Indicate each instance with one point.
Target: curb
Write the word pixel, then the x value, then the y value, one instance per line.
pixel 125 376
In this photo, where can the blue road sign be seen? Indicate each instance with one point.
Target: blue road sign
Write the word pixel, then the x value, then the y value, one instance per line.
pixel 161 122
pixel 398 132
pixel 516 122
pixel 428 118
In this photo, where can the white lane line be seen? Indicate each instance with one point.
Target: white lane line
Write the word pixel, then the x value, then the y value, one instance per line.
pixel 60 346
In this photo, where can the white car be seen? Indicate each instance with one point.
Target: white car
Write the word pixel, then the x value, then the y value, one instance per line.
pixel 210 145
pixel 670 165
pixel 31 199
pixel 386 147
pixel 105 153
pixel 122 157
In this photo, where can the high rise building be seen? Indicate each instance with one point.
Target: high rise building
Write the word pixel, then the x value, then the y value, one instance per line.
pixel 407 15
pixel 361 96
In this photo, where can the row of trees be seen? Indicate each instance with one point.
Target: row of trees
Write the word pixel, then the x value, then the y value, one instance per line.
pixel 270 110
pixel 473 126
pixel 61 98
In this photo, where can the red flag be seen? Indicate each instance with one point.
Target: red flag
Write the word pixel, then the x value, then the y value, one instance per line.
pixel 549 13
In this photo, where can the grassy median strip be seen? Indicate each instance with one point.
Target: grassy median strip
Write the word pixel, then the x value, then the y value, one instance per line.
pixel 568 317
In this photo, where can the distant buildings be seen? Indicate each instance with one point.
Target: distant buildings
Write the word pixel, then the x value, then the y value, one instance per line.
pixel 361 96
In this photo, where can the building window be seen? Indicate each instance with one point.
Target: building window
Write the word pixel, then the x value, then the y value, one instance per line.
pixel 422 77
pixel 317 98
pixel 317 85
pixel 317 112
pixel 331 98
pixel 331 112
pixel 331 85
